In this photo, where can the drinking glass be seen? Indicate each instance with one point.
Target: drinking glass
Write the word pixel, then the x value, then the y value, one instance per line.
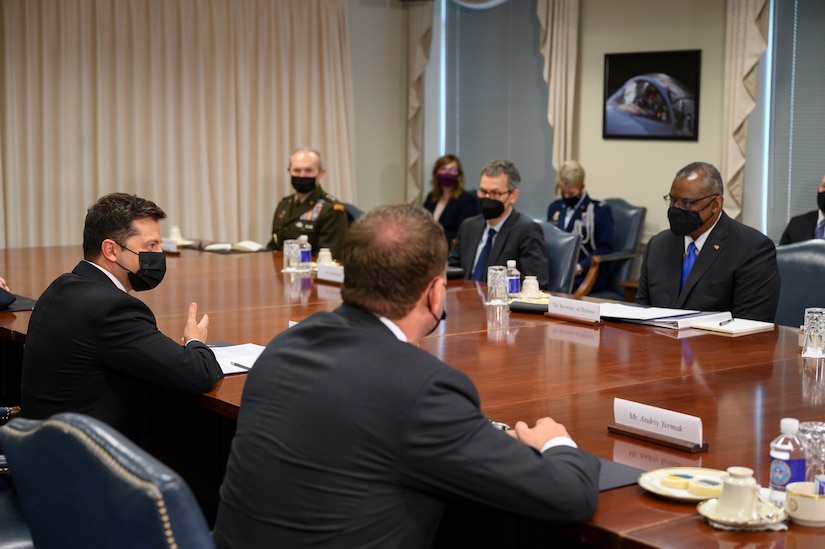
pixel 814 343
pixel 497 285
pixel 292 255
pixel 812 436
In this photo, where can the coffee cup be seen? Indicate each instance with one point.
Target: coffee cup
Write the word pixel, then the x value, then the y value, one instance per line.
pixel 804 506
pixel 530 288
pixel 175 234
pixel 324 256
pixel 740 494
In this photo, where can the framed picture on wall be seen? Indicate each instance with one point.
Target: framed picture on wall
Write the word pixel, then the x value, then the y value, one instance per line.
pixel 653 95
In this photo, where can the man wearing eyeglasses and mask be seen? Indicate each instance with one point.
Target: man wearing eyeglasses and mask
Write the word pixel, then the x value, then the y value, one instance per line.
pixel 309 210
pixel 350 435
pixel 500 232
pixel 708 261
pixel 93 348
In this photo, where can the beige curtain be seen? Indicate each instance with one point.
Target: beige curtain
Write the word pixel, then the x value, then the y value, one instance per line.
pixel 559 20
pixel 746 28
pixel 195 104
pixel 419 39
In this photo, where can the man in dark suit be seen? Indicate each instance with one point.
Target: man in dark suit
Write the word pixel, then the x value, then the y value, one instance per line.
pixel 808 225
pixel 500 232
pixel 93 348
pixel 576 212
pixel 708 261
pixel 350 435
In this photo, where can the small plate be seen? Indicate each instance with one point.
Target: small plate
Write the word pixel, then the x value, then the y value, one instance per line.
pixel 768 514
pixel 651 481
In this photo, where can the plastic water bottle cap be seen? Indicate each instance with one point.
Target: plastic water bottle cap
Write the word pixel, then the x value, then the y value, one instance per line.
pixel 789 425
pixel 511 263
pixel 303 238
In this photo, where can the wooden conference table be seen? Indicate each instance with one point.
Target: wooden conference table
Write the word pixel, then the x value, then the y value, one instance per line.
pixel 740 387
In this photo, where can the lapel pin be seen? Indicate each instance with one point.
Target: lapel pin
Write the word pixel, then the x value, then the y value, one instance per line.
pixel 716 246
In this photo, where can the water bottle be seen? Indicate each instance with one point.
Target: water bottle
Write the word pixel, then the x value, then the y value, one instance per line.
pixel 787 460
pixel 305 250
pixel 513 278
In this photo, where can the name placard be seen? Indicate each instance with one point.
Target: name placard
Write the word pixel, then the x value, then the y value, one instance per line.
pixel 667 427
pixel 331 273
pixel 574 309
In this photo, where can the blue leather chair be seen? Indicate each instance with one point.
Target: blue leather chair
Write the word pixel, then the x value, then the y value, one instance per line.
pixel 628 221
pixel 82 484
pixel 802 280
pixel 353 211
pixel 14 532
pixel 563 252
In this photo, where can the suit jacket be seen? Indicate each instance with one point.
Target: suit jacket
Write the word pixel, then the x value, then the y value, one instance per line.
pixel 94 349
pixel 736 271
pixel 800 228
pixel 599 243
pixel 456 211
pixel 321 217
pixel 348 437
pixel 520 238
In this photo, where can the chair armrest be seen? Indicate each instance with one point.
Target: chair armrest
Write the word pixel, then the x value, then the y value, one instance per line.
pixel 8 412
pixel 5 474
pixel 590 278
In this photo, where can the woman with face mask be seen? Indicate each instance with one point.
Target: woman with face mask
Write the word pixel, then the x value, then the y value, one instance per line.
pixel 576 212
pixel 449 203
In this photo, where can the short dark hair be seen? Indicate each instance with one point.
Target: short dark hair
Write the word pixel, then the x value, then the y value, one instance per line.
pixel 111 217
pixel 390 255
pixel 496 167
pixel 708 172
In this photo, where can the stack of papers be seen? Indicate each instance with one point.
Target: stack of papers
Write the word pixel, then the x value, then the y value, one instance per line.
pixel 676 319
pixel 242 246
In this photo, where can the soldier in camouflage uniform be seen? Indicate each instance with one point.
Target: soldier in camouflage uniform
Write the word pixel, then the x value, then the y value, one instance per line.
pixel 309 210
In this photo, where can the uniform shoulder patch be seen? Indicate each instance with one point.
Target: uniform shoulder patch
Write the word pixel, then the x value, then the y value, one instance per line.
pixel 338 207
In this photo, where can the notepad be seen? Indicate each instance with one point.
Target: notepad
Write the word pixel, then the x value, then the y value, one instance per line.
pixel 737 327
pixel 237 358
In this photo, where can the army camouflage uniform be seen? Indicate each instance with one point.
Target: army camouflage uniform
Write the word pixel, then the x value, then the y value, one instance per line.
pixel 321 217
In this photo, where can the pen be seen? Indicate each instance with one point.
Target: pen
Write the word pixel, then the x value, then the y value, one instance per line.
pixel 728 321
pixel 244 366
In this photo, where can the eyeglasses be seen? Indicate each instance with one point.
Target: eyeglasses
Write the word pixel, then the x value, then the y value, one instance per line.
pixel 684 204
pixel 495 195
pixel 453 171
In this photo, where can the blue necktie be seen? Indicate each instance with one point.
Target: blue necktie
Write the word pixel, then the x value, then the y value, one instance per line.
pixel 687 264
pixel 820 230
pixel 481 264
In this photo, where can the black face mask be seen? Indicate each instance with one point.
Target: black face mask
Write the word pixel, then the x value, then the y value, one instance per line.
pixel 303 184
pixel 683 222
pixel 820 200
pixel 437 320
pixel 572 201
pixel 152 268
pixel 491 209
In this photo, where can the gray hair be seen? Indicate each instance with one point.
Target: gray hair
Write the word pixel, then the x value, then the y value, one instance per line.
pixel 708 172
pixel 497 167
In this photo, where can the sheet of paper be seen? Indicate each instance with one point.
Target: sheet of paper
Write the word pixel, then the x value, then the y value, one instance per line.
pixel 635 312
pixel 237 358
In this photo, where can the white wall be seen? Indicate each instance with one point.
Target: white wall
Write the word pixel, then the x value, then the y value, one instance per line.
pixel 641 171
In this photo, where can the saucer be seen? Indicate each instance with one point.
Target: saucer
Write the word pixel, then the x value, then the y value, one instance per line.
pixel 768 514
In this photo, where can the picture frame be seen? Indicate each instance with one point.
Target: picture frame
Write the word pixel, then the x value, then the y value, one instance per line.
pixel 652 95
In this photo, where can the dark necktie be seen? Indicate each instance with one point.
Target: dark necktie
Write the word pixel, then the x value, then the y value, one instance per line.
pixel 820 230
pixel 687 264
pixel 481 264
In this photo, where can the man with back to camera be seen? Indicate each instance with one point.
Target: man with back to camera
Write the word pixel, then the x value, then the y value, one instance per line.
pixel 576 212
pixel 309 210
pixel 93 348
pixel 808 225
pixel 733 266
pixel 500 232
pixel 350 435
